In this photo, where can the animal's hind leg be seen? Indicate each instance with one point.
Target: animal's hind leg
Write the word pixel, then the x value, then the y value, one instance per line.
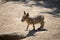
pixel 42 24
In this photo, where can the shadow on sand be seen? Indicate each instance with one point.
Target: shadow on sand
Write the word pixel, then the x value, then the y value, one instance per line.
pixel 32 32
pixel 11 37
pixel 18 36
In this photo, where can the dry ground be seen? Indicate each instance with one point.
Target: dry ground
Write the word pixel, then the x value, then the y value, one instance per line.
pixel 10 21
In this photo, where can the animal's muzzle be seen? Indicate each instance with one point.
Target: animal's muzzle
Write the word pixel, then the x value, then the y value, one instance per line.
pixel 22 20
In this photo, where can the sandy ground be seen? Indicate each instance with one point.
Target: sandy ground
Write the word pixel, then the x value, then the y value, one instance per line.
pixel 10 21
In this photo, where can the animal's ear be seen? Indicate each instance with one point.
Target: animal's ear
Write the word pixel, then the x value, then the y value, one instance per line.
pixel 24 12
pixel 27 14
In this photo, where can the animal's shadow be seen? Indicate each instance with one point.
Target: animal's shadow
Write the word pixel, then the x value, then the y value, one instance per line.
pixel 32 32
pixel 11 37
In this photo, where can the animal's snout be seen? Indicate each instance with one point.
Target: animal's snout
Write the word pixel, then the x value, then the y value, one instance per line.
pixel 22 20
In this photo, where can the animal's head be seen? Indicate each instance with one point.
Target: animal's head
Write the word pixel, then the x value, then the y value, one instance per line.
pixel 25 16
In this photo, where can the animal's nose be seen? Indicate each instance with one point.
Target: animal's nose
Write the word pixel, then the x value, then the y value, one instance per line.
pixel 22 20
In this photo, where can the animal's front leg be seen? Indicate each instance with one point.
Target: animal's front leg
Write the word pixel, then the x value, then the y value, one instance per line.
pixel 33 26
pixel 27 27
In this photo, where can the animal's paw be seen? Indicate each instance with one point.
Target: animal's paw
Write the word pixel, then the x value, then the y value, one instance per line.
pixel 33 29
pixel 40 28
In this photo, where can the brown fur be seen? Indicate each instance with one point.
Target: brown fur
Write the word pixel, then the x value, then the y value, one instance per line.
pixel 29 20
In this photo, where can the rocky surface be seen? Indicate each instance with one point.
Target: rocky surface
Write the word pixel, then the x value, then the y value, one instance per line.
pixel 10 21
